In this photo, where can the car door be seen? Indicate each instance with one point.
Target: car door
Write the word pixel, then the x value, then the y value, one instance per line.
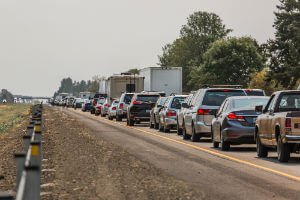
pixel 266 122
pixel 216 122
pixel 189 114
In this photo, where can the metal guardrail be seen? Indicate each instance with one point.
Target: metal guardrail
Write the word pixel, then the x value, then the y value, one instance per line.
pixel 29 162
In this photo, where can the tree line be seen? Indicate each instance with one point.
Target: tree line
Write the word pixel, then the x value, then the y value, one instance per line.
pixel 209 56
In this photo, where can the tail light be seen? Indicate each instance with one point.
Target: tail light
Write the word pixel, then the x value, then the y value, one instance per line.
pixel 136 102
pixel 171 113
pixel 106 105
pixel 121 106
pixel 288 123
pixel 114 108
pixel 94 102
pixel 233 116
pixel 99 107
pixel 203 111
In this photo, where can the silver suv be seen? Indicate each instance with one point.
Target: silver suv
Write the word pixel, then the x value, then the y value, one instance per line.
pixel 202 109
pixel 168 114
pixel 125 100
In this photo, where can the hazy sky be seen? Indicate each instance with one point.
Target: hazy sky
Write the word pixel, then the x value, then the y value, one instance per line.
pixel 42 41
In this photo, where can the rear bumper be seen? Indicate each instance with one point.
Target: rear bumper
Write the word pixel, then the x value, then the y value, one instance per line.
pixel 291 139
pixel 203 129
pixel 170 122
pixel 239 135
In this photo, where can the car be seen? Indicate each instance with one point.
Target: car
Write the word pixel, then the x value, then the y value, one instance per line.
pixel 278 127
pixel 203 108
pixel 125 100
pixel 168 114
pixel 111 114
pixel 95 99
pixel 181 113
pixel 235 121
pixel 140 107
pixel 99 105
pixel 154 114
pixel 254 92
pixel 78 102
pixel 70 101
pixel 87 105
pixel 105 107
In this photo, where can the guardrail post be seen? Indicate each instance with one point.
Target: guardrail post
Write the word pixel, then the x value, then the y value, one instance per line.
pixel 26 139
pixel 36 157
pixel 20 164
pixel 33 182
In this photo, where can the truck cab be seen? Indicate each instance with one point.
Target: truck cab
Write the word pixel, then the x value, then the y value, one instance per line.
pixel 279 125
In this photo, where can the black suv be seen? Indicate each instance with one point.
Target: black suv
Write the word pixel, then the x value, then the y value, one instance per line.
pixel 140 107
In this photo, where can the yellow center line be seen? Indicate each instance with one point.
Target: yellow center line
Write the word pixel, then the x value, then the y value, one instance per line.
pixel 215 153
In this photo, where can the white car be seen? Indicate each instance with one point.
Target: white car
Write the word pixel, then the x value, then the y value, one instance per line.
pixel 112 110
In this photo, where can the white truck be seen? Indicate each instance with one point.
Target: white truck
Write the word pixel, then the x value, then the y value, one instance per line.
pixel 168 80
pixel 117 84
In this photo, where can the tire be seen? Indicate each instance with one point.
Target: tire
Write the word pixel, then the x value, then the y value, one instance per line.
pixel 179 130
pixel 261 150
pixel 215 144
pixel 110 118
pixel 131 122
pixel 166 130
pixel 151 125
pixel 225 146
pixel 156 125
pixel 184 135
pixel 118 118
pixel 283 150
pixel 160 127
pixel 195 137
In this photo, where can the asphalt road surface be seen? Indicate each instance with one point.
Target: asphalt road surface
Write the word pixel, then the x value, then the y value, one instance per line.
pixel 237 174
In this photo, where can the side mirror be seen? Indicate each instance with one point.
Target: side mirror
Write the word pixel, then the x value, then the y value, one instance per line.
pixel 184 105
pixel 259 108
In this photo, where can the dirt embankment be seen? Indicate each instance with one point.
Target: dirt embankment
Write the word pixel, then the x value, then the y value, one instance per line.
pixel 79 165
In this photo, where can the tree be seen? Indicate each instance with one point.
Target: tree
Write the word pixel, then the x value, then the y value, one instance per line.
pixel 133 71
pixel 230 61
pixel 5 94
pixel 284 50
pixel 201 30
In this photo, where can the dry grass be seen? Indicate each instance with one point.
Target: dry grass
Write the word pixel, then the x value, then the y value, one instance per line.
pixel 12 114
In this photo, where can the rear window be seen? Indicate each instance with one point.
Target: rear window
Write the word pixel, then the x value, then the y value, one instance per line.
pixel 127 98
pixel 176 103
pixel 147 98
pixel 249 103
pixel 216 97
pixel 255 93
pixel 290 102
pixel 101 101
pixel 162 101
pixel 115 103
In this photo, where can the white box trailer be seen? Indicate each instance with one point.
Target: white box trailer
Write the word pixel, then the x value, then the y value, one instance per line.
pixel 117 84
pixel 86 95
pixel 168 80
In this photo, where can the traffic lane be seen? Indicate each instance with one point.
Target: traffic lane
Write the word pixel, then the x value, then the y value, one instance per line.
pixel 217 177
pixel 246 152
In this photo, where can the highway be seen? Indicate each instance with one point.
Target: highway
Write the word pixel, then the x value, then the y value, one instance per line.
pixel 237 174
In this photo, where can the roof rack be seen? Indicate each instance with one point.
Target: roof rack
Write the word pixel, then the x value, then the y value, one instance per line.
pixel 221 86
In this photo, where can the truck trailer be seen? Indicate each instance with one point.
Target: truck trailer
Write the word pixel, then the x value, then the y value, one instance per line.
pixel 168 80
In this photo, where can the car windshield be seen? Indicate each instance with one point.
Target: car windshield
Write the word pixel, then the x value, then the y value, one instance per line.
pixel 162 101
pixel 176 103
pixel 255 92
pixel 290 102
pixel 249 103
pixel 127 98
pixel 101 101
pixel 216 97
pixel 147 98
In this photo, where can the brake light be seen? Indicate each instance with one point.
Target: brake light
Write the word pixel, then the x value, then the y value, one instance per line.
pixel 121 105
pixel 114 108
pixel 136 102
pixel 226 90
pixel 203 111
pixel 106 105
pixel 288 122
pixel 99 107
pixel 171 113
pixel 233 116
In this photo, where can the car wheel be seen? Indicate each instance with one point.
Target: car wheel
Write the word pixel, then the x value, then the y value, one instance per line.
pixel 131 122
pixel 215 144
pixel 225 146
pixel 261 150
pixel 118 118
pixel 110 118
pixel 160 127
pixel 179 130
pixel 166 130
pixel 156 125
pixel 283 150
pixel 195 137
pixel 184 135
pixel 151 125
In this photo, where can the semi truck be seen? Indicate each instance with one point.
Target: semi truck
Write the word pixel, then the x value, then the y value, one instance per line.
pixel 165 79
pixel 115 85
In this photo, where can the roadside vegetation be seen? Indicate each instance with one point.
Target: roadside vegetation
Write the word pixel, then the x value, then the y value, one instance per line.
pixel 11 115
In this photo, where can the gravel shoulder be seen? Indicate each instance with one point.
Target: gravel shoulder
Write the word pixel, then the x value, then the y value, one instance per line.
pixel 78 165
